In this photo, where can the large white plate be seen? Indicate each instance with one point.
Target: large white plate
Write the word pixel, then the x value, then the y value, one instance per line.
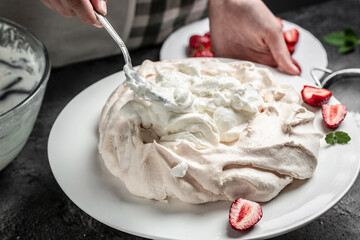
pixel 76 165
pixel 309 51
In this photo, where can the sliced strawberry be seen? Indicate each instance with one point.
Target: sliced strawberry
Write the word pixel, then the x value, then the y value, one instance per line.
pixel 333 114
pixel 296 64
pixel 202 53
pixel 291 36
pixel 194 42
pixel 291 48
pixel 315 96
pixel 244 214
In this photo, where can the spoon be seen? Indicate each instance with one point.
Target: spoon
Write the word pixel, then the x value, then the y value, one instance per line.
pixel 137 83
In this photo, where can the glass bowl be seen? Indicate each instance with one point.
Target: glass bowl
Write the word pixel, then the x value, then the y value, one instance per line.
pixel 24 72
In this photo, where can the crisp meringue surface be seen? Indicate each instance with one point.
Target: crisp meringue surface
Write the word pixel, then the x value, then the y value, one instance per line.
pixel 240 134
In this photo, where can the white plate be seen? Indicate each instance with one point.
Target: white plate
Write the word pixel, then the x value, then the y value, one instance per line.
pixel 76 165
pixel 309 51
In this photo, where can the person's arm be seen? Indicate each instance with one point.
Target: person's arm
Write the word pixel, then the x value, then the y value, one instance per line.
pixel 247 30
pixel 84 9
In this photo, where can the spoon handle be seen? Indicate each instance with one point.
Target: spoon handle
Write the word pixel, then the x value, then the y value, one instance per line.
pixel 116 38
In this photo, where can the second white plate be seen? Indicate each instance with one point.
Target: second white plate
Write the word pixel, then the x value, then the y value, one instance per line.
pixel 309 51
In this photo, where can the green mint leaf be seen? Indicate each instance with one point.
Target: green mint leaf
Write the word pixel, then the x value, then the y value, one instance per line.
pixel 335 38
pixel 337 137
pixel 330 138
pixel 350 36
pixel 349 31
pixel 345 49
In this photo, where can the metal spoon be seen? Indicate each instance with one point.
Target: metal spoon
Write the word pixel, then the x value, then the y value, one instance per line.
pixel 137 83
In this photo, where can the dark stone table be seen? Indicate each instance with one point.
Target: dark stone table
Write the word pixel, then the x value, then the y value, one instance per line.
pixel 32 205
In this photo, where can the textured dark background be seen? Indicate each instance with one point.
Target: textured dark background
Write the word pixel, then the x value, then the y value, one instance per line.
pixel 32 205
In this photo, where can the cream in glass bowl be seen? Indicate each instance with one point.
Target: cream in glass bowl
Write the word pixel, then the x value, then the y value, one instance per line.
pixel 24 72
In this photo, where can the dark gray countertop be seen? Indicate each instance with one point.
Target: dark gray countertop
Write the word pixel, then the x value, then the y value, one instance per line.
pixel 33 206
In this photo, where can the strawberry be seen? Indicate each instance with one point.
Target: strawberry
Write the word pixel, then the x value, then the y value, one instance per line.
pixel 315 96
pixel 205 41
pixel 207 34
pixel 296 64
pixel 202 53
pixel 291 48
pixel 194 42
pixel 197 42
pixel 291 36
pixel 244 214
pixel 333 114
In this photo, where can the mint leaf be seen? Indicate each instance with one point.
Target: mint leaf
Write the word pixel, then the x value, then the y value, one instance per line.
pixel 337 137
pixel 349 31
pixel 345 49
pixel 346 40
pixel 335 38
pixel 350 37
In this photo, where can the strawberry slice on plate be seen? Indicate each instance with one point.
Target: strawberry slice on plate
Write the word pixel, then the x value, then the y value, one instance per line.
pixel 291 36
pixel 291 49
pixel 244 214
pixel 315 96
pixel 333 114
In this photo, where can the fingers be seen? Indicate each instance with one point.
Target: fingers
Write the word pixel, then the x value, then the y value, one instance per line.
pixel 83 9
pixel 280 53
pixel 100 6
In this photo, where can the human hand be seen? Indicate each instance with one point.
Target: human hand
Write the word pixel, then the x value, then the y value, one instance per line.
pixel 248 30
pixel 84 9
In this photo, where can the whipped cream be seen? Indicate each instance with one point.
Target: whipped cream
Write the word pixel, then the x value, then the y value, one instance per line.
pixel 229 131
pixel 217 110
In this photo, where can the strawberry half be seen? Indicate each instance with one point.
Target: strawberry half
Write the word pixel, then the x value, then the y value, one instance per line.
pixel 315 96
pixel 333 114
pixel 291 36
pixel 291 49
pixel 244 214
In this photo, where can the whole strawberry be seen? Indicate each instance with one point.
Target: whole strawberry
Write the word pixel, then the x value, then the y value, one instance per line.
pixel 244 214
pixel 197 42
pixel 194 42
pixel 205 41
pixel 333 115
